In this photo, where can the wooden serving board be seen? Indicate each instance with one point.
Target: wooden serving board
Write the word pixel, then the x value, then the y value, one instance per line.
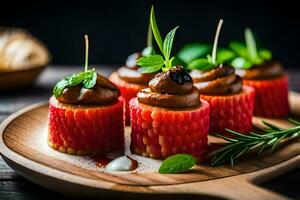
pixel 23 146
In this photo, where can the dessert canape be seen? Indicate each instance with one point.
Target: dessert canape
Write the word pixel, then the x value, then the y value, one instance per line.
pixel 129 79
pixel 192 51
pixel 168 117
pixel 231 103
pixel 86 114
pixel 258 70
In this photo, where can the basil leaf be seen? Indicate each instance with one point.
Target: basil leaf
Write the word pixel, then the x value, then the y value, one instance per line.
pixel 241 63
pixel 155 30
pixel 148 51
pixel 239 48
pixel 150 69
pixel 177 163
pixel 251 44
pixel 152 60
pixel 192 51
pixel 200 64
pixel 225 55
pixel 89 83
pixel 265 54
pixel 168 43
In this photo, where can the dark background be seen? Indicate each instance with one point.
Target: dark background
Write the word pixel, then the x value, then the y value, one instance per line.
pixel 118 28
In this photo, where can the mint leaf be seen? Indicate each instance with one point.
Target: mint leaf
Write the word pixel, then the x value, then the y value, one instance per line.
pixel 150 69
pixel 241 63
pixel 150 64
pixel 155 30
pixel 265 54
pixel 91 81
pixel 151 60
pixel 251 45
pixel 247 54
pixel 239 48
pixel 225 55
pixel 177 163
pixel 87 78
pixel 201 64
pixel 168 43
pixel 59 87
pixel 193 51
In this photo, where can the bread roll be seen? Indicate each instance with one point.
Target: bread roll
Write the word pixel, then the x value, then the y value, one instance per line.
pixel 20 50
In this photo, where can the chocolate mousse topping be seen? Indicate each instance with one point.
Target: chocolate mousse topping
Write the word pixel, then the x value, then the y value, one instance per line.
pixel 133 76
pixel 173 88
pixel 266 70
pixel 103 92
pixel 219 81
pixel 131 60
pixel 130 74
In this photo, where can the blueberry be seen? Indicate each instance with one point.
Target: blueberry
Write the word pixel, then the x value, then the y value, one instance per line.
pixel 187 78
pixel 176 78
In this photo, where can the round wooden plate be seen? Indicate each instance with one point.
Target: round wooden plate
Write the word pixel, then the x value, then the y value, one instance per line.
pixel 23 146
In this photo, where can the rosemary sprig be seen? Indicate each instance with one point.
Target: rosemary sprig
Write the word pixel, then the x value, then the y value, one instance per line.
pixel 242 143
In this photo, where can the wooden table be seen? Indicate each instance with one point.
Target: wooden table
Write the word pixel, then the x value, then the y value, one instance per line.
pixel 12 186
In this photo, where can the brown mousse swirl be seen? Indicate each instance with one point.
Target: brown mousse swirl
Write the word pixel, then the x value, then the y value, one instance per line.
pixel 172 89
pixel 266 70
pixel 103 92
pixel 130 74
pixel 221 80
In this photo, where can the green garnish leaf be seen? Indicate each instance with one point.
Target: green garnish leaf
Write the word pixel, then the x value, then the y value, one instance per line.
pixel 177 163
pixel 153 63
pixel 224 55
pixel 239 48
pixel 240 63
pixel 152 60
pixel 168 43
pixel 248 53
pixel 193 51
pixel 150 64
pixel 210 62
pixel 148 70
pixel 201 64
pixel 251 46
pixel 265 54
pixel 87 78
pixel 155 30
pixel 90 82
